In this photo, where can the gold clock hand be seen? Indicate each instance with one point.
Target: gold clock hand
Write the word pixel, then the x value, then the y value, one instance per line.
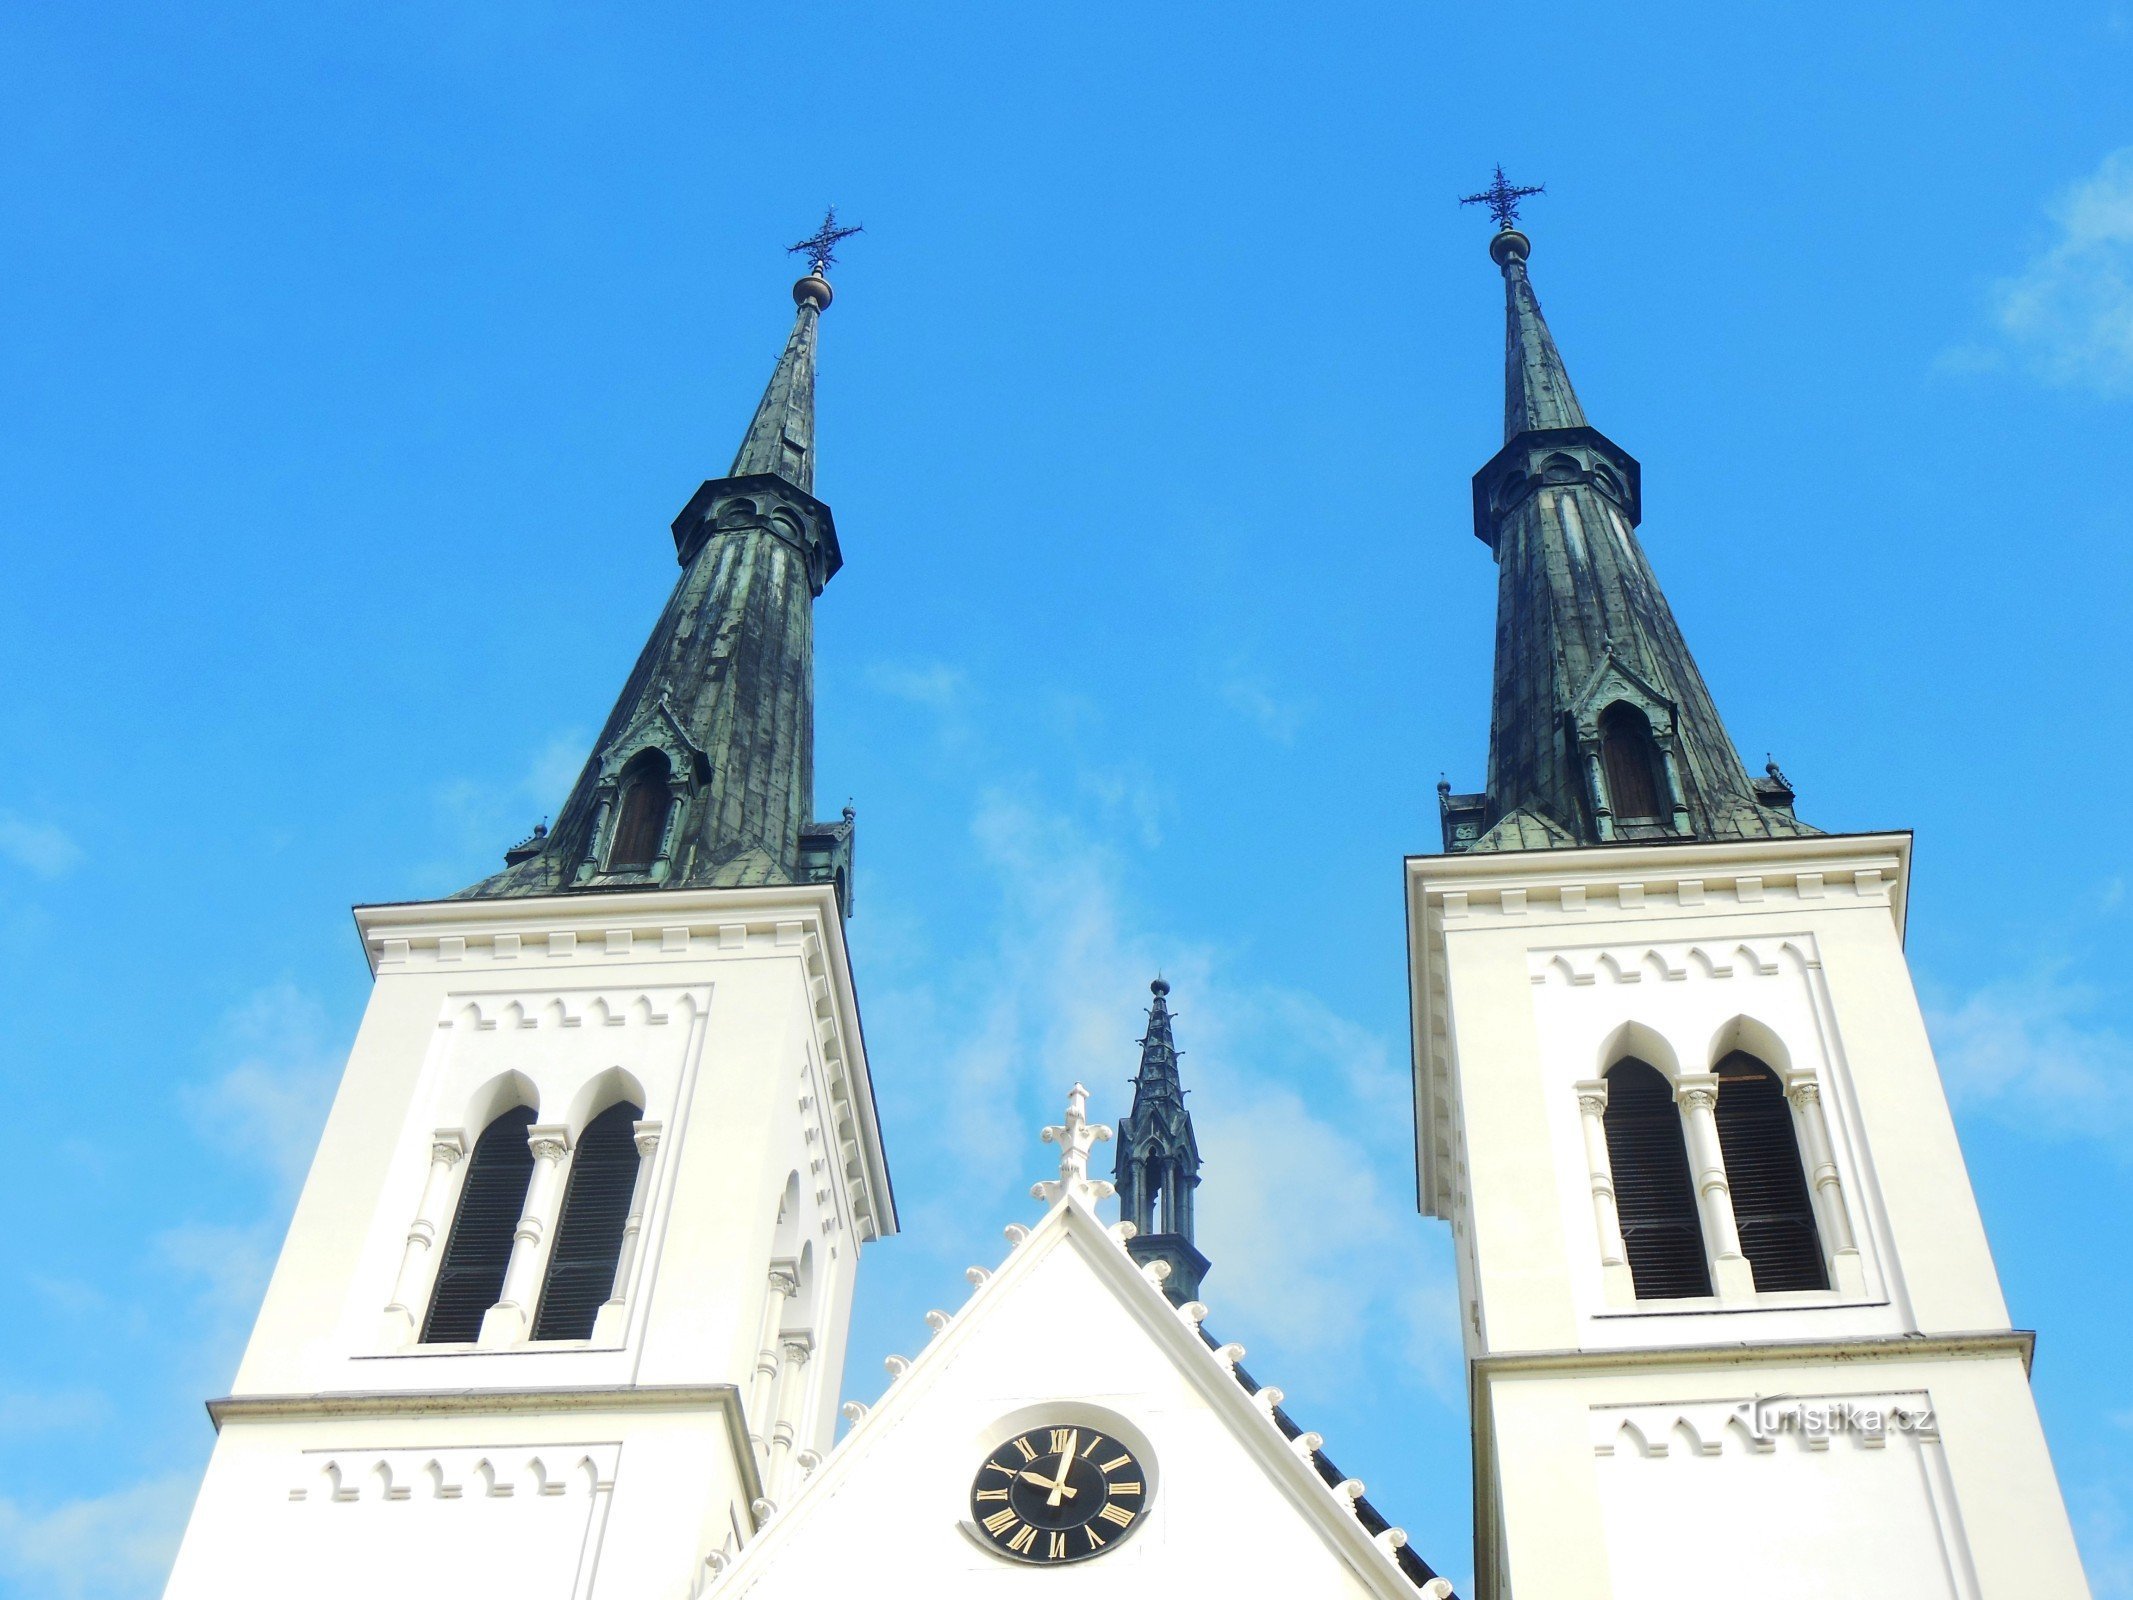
pixel 1042 1482
pixel 1066 1460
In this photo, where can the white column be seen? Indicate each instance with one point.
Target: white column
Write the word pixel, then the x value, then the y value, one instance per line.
pixel 1810 1122
pixel 447 1147
pixel 782 1477
pixel 1615 1280
pixel 608 1325
pixel 784 1284
pixel 1731 1275
pixel 510 1320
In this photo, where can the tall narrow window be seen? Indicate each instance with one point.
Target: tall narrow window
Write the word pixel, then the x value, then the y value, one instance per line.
pixel 642 819
pixel 1770 1199
pixel 470 1275
pixel 1654 1194
pixel 588 1239
pixel 1629 757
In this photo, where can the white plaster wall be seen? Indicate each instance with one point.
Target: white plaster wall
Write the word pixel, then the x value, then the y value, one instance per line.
pixel 1533 973
pixel 463 1505
pixel 889 1512
pixel 732 1014
pixel 1648 1483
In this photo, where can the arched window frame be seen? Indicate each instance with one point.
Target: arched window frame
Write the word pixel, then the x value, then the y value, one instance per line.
pixel 1612 684
pixel 1660 1219
pixel 602 1191
pixel 1766 1177
pixel 478 1244
pixel 644 806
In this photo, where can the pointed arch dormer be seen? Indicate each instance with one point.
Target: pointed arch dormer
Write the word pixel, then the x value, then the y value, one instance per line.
pixel 1623 727
pixel 649 776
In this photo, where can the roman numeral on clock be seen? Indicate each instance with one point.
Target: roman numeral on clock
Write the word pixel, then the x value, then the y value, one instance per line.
pixel 1118 1516
pixel 1025 1536
pixel 1029 1451
pixel 999 1522
pixel 992 1494
pixel 1055 1546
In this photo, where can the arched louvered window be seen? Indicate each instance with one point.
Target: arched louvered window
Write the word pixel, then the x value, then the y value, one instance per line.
pixel 588 1239
pixel 1655 1196
pixel 1770 1200
pixel 1629 758
pixel 642 819
pixel 470 1276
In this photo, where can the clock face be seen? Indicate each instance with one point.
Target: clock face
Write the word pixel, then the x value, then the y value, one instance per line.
pixel 1053 1495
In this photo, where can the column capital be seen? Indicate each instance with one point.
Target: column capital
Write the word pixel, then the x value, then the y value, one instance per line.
pixel 447 1145
pixel 1803 1088
pixel 549 1141
pixel 647 1135
pixel 1697 1090
pixel 1592 1095
pixel 796 1347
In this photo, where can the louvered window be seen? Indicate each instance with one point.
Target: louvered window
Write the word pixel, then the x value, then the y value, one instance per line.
pixel 643 818
pixel 1655 1196
pixel 470 1277
pixel 588 1239
pixel 1770 1198
pixel 1630 759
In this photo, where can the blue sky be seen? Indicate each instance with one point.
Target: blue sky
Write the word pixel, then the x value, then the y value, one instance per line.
pixel 353 359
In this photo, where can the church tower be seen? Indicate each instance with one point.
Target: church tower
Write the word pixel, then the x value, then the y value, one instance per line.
pixel 1731 1322
pixel 1158 1164
pixel 566 1292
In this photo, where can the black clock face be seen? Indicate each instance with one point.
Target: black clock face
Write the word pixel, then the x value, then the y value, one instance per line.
pixel 1053 1495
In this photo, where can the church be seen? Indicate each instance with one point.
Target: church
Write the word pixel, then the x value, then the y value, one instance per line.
pixel 563 1308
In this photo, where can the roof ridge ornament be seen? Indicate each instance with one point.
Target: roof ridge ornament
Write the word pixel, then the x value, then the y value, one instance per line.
pixel 1075 1135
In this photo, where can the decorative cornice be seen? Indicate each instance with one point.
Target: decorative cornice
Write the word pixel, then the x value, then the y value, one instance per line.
pixel 1983 1343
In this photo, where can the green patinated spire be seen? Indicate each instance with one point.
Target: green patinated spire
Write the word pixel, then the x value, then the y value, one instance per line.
pixel 1602 729
pixel 781 438
pixel 703 776
pixel 1536 388
pixel 1158 1163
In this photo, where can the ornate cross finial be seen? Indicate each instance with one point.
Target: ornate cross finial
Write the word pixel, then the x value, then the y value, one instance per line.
pixel 820 247
pixel 1502 197
pixel 1075 1135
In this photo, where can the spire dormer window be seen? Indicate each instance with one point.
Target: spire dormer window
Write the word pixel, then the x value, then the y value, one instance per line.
pixel 641 821
pixel 1631 763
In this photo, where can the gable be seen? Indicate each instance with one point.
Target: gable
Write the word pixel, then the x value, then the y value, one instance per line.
pixel 1069 1333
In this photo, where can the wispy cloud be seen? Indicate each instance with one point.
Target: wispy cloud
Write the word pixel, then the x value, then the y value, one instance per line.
pixel 1253 696
pixel 932 684
pixel 1299 1110
pixel 278 1060
pixel 2067 316
pixel 41 848
pixel 2040 1052
pixel 52 1409
pixel 115 1546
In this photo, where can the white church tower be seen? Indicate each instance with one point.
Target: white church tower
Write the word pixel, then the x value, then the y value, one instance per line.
pixel 1731 1322
pixel 566 1291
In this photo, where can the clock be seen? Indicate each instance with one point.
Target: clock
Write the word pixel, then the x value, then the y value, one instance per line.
pixel 1054 1495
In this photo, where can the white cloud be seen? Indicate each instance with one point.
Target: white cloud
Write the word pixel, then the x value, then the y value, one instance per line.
pixel 53 1409
pixel 268 1104
pixel 2067 316
pixel 932 684
pixel 37 847
pixel 1246 691
pixel 113 1546
pixel 2035 1053
pixel 1307 1213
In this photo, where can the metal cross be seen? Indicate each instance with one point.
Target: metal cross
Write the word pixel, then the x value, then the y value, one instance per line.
pixel 820 246
pixel 1502 197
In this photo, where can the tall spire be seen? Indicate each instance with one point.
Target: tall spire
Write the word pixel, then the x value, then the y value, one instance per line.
pixel 1602 728
pixel 1158 1162
pixel 703 776
pixel 1536 389
pixel 781 437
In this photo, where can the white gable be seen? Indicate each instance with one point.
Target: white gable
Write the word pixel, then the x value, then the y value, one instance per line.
pixel 1069 1331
